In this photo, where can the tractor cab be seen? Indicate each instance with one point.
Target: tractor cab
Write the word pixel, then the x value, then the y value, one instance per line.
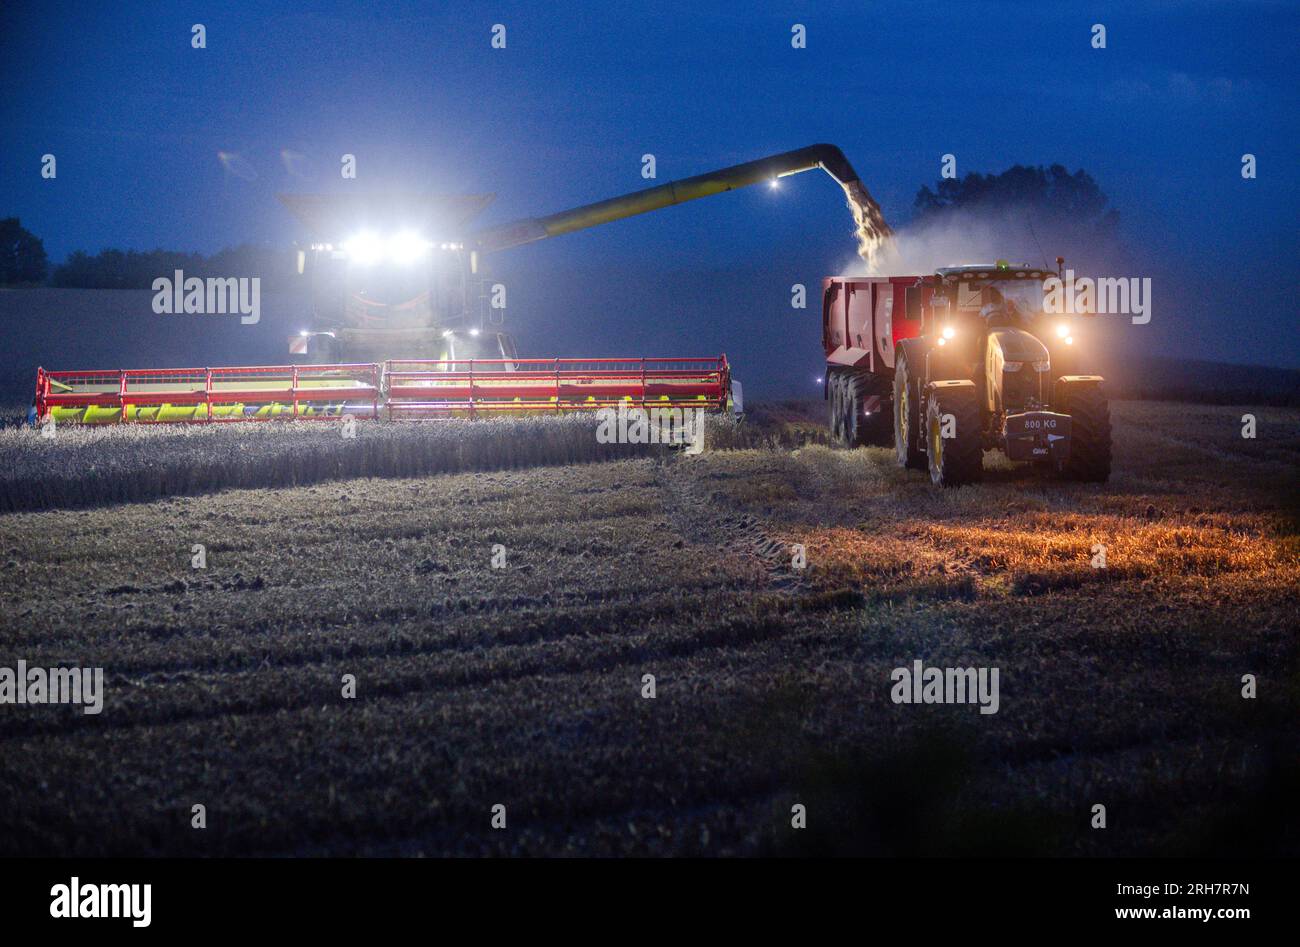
pixel 1000 294
pixel 987 316
pixel 994 370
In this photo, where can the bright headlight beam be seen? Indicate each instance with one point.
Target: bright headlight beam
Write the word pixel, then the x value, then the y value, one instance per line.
pixel 364 249
pixel 407 247
pixel 1062 330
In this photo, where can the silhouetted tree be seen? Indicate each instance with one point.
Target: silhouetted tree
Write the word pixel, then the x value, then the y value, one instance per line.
pixel 22 255
pixel 1053 194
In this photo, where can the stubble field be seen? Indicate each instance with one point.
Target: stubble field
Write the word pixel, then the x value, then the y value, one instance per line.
pixel 523 685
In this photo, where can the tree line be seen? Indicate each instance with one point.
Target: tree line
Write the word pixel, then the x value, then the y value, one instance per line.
pixel 1053 194
pixel 23 262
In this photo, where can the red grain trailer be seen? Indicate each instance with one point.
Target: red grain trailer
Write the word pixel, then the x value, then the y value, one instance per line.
pixel 863 320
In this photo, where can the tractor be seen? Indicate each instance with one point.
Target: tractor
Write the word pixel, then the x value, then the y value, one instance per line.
pixel 988 369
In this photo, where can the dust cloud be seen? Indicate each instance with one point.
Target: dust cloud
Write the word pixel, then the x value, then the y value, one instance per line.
pixel 956 238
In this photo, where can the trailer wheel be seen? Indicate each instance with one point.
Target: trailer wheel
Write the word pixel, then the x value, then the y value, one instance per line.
pixel 861 429
pixel 835 421
pixel 907 413
pixel 1089 412
pixel 957 459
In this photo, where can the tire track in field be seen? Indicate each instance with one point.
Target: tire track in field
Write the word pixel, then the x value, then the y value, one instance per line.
pixel 696 513
pixel 537 659
pixel 296 647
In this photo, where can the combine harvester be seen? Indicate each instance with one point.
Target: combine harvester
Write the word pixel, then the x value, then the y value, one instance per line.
pixel 402 326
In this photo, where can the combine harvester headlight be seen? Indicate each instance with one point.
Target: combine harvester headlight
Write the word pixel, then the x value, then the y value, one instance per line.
pixel 364 249
pixel 404 248
pixel 407 247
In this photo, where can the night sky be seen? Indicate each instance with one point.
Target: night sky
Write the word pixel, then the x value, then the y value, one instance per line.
pixel 1161 117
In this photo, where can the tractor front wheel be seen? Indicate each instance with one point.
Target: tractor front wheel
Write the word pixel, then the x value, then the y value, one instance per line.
pixel 1085 403
pixel 953 442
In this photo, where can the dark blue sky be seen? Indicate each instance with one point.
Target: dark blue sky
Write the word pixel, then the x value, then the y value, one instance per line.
pixel 1161 118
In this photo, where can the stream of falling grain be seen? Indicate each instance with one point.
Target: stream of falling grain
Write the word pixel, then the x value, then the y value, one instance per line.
pixel 873 233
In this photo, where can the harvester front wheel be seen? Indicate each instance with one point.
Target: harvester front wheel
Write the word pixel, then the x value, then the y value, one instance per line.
pixel 1089 412
pixel 907 410
pixel 952 429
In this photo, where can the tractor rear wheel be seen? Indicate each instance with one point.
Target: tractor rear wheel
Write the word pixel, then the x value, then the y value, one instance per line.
pixel 1085 403
pixel 907 411
pixel 953 439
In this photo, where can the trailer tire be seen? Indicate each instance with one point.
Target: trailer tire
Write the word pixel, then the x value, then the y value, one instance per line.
pixel 1090 453
pixel 860 429
pixel 835 421
pixel 907 411
pixel 958 460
